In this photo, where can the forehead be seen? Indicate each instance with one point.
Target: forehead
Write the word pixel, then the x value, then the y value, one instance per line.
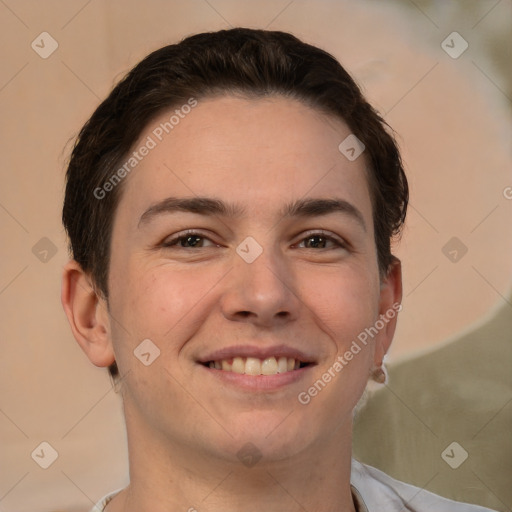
pixel 259 152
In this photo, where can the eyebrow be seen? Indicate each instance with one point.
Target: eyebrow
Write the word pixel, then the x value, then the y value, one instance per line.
pixel 310 207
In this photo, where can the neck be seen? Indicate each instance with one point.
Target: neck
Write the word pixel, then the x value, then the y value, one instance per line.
pixel 171 477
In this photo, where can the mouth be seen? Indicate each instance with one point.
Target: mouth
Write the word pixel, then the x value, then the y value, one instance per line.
pixel 257 368
pixel 272 365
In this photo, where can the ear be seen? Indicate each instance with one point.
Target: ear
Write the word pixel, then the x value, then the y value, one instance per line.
pixel 389 306
pixel 87 314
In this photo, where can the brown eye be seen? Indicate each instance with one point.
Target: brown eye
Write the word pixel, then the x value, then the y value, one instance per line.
pixel 316 242
pixel 189 240
pixel 320 241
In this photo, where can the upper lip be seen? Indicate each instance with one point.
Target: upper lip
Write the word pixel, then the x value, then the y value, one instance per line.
pixel 256 351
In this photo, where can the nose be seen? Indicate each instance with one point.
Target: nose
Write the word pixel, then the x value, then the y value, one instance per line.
pixel 262 292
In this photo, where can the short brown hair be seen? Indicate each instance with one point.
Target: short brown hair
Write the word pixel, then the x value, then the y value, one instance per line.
pixel 245 61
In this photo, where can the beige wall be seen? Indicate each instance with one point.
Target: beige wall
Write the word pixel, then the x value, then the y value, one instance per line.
pixel 453 121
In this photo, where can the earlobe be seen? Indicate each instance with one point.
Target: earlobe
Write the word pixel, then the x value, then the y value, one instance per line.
pixel 389 306
pixel 87 315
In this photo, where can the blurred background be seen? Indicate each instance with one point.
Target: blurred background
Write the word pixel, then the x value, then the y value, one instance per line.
pixel 439 72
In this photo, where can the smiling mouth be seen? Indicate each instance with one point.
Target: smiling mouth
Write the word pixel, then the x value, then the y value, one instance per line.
pixel 255 366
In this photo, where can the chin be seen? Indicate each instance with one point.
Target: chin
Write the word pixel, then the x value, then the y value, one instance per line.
pixel 270 436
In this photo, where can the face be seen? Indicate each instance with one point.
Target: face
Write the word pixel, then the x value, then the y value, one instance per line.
pixel 243 248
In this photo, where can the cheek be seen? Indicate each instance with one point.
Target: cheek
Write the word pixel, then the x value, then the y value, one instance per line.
pixel 345 304
pixel 161 303
pixel 344 301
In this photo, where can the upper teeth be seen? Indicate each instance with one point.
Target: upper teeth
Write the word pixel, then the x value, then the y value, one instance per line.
pixel 255 366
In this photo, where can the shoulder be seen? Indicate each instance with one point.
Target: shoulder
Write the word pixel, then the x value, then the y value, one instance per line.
pixel 100 506
pixel 380 492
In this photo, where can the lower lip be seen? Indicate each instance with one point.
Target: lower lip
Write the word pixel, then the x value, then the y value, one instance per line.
pixel 259 382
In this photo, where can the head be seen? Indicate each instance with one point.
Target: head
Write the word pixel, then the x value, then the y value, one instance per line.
pixel 253 119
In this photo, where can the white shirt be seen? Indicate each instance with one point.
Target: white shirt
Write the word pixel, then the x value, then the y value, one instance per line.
pixel 374 491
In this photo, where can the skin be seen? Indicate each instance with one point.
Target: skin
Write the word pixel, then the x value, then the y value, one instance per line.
pixel 185 426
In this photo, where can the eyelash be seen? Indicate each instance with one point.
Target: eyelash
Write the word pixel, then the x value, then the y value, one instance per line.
pixel 340 244
pixel 173 242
